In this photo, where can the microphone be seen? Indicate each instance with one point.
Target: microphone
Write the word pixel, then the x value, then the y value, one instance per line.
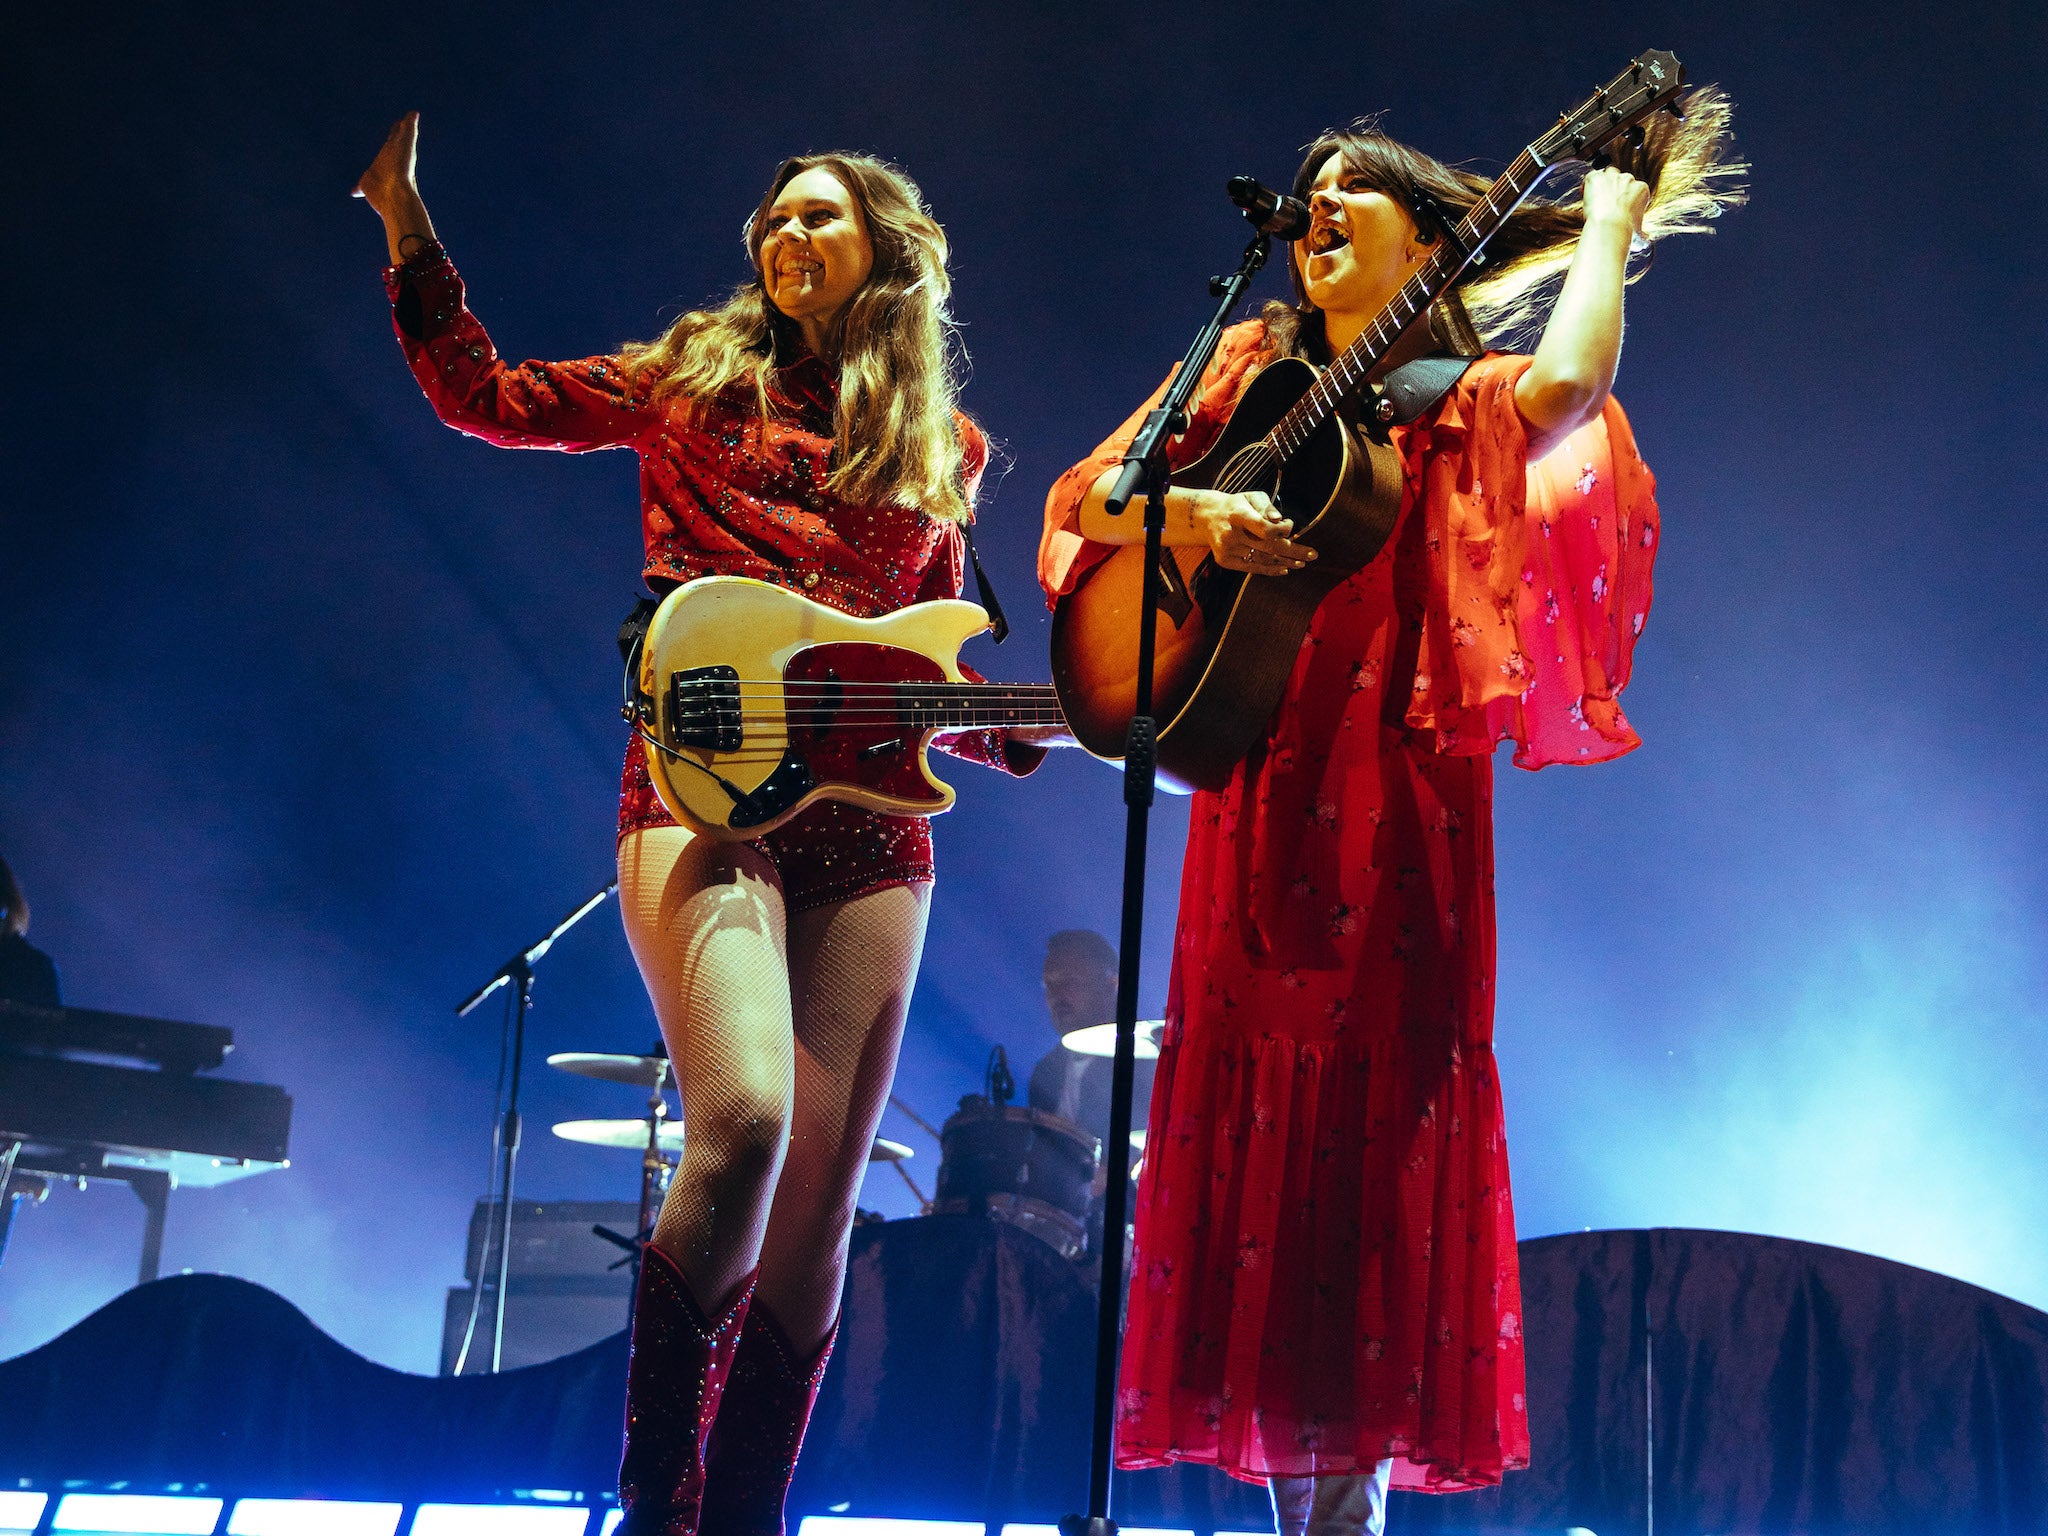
pixel 1272 213
pixel 1001 1086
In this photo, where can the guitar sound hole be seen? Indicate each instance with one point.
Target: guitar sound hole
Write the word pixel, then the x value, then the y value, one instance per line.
pixel 1251 468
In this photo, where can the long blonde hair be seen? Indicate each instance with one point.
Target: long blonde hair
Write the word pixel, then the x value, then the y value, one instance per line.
pixel 894 434
pixel 1686 162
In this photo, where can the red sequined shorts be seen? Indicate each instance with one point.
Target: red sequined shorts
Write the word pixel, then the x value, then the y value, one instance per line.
pixel 830 852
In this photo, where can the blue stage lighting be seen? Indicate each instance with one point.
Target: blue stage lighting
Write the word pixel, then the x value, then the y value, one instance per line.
pixel 313 1517
pixel 21 1513
pixel 859 1525
pixel 498 1520
pixel 612 1517
pixel 135 1514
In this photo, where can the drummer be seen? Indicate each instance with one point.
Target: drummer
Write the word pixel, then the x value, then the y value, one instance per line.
pixel 1080 990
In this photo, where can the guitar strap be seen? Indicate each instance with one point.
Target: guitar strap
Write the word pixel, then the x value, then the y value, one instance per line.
pixel 635 707
pixel 1414 388
pixel 633 629
pixel 999 627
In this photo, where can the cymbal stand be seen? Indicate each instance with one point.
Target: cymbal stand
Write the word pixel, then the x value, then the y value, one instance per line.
pixel 654 1167
pixel 518 971
pixel 924 1206
pixel 918 1120
pixel 1145 471
pixel 8 1154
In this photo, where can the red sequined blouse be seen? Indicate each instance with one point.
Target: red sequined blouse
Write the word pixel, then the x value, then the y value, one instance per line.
pixel 722 492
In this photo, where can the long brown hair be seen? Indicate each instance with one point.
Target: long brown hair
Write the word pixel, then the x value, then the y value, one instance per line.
pixel 894 434
pixel 1686 162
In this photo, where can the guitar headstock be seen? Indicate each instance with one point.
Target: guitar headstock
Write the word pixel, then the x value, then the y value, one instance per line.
pixel 1649 84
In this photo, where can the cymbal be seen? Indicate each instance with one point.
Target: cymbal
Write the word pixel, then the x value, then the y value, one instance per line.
pixel 629 1134
pixel 633 1071
pixel 1100 1039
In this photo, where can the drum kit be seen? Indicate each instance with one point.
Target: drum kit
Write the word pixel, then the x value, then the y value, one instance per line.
pixel 657 1135
pixel 1036 1170
pixel 1028 1167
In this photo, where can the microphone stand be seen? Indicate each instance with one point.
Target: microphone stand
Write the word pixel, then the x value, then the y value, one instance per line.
pixel 518 971
pixel 1146 472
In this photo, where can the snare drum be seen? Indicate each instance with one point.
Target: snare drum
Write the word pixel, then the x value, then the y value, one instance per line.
pixel 1019 1165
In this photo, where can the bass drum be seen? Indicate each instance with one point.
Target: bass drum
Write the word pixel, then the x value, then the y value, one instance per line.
pixel 1023 1166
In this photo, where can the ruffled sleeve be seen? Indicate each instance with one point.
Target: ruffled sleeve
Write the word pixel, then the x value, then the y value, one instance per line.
pixel 974 456
pixel 1065 554
pixel 1537 578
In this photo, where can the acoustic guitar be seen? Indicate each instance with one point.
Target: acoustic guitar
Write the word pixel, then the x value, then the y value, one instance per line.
pixel 753 702
pixel 1226 643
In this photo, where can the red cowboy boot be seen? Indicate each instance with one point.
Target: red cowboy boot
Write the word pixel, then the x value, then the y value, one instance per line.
pixel 678 1368
pixel 760 1429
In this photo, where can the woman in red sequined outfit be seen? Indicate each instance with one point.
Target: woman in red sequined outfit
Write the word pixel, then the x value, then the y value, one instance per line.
pixel 1324 1291
pixel 805 433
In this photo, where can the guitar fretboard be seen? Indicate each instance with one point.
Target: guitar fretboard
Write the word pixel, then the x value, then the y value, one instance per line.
pixel 1354 365
pixel 971 706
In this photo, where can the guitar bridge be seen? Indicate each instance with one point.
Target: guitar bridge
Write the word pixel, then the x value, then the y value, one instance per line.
pixel 704 709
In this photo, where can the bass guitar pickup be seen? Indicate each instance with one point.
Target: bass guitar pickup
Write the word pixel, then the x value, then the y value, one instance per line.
pixel 704 709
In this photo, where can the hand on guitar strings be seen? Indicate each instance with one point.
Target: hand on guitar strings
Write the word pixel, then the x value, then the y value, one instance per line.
pixel 1245 532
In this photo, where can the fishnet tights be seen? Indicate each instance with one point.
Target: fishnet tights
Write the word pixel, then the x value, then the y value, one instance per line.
pixel 784 1032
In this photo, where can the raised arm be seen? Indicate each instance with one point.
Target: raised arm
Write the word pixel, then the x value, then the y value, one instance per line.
pixel 391 187
pixel 573 406
pixel 1573 369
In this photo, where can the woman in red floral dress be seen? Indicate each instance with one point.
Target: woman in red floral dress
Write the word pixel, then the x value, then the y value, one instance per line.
pixel 805 433
pixel 1324 1291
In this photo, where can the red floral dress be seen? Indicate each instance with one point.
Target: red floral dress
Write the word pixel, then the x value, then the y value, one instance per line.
pixel 1325 1273
pixel 722 492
